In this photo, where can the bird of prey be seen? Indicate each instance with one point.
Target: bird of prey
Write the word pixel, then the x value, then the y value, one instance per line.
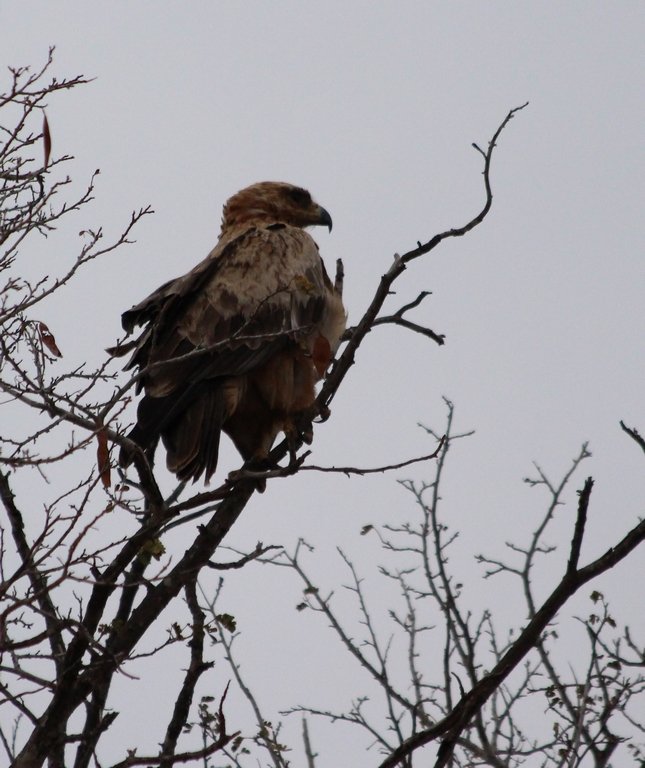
pixel 238 343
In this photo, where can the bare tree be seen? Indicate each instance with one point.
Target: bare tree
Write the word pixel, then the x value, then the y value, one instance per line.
pixel 79 598
pixel 480 696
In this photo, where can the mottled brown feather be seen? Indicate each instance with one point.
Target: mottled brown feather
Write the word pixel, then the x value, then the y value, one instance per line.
pixel 238 343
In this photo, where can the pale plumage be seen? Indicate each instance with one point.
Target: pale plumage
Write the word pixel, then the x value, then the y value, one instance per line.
pixel 262 321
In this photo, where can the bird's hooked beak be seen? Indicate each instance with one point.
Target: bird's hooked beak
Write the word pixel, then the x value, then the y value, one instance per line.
pixel 324 219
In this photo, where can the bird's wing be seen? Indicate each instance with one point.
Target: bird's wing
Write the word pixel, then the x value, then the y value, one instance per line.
pixel 249 298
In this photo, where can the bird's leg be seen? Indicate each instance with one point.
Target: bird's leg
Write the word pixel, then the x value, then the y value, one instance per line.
pixel 298 430
pixel 302 426
pixel 255 464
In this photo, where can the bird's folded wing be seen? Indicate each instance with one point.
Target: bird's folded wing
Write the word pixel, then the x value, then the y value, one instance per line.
pixel 250 297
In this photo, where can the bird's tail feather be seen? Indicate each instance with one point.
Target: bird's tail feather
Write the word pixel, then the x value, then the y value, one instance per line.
pixel 189 425
pixel 192 439
pixel 144 433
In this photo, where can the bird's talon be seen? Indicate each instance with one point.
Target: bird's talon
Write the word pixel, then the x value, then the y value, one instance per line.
pixel 324 412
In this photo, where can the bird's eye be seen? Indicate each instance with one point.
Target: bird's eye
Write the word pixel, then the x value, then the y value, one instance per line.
pixel 300 197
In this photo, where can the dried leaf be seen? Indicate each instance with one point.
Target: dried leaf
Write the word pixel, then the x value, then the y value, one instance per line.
pixel 47 139
pixel 48 339
pixel 103 457
pixel 227 621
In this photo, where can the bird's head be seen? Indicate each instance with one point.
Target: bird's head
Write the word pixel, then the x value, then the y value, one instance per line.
pixel 274 202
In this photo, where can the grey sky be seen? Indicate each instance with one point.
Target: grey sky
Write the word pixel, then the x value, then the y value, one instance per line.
pixel 374 108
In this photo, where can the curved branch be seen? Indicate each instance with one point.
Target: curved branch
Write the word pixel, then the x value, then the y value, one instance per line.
pixel 346 359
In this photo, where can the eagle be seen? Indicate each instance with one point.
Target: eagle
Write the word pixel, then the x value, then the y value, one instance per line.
pixel 238 343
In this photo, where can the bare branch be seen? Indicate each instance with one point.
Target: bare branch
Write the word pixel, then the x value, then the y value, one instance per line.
pixel 452 725
pixel 398 319
pixel 634 434
pixel 346 359
pixel 579 532
pixel 258 552
pixel 247 474
pixel 309 753
pixel 196 668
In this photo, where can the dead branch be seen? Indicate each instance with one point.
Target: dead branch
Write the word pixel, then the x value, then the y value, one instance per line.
pixel 634 434
pixel 398 319
pixel 346 359
pixel 259 551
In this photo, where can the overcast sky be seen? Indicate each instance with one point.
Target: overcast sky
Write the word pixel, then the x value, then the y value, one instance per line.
pixel 373 108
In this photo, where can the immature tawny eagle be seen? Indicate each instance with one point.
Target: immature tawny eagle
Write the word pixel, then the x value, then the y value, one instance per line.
pixel 239 342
